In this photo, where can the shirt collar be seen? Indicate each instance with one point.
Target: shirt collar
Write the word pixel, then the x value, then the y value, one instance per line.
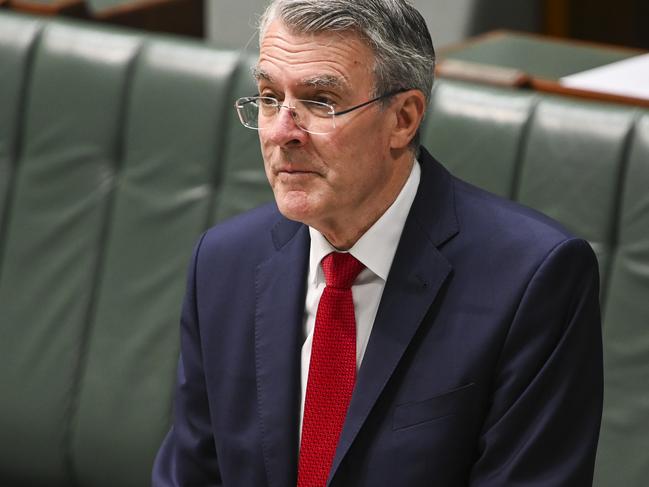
pixel 377 246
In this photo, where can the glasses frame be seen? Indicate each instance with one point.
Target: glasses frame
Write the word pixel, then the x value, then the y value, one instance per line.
pixel 239 104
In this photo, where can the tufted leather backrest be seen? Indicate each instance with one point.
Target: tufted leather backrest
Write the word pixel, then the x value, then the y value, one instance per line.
pixel 170 157
pixel 117 150
pixel 53 247
pixel 16 41
pixel 623 458
pixel 114 152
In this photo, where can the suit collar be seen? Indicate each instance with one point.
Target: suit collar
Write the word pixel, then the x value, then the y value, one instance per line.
pixel 279 309
pixel 434 205
pixel 417 275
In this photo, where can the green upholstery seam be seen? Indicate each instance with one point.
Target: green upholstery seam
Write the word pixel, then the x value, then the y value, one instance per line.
pixel 15 150
pixel 521 149
pixel 98 272
pixel 616 215
pixel 221 143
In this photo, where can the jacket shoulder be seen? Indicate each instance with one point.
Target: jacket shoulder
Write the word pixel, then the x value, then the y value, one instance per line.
pixel 254 234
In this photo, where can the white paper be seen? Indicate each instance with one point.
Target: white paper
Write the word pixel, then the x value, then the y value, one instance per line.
pixel 629 77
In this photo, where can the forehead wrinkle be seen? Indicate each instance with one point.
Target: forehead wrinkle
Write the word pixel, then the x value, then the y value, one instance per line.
pixel 316 81
pixel 300 43
pixel 333 59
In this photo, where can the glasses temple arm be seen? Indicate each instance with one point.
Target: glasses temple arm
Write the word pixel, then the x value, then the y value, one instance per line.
pixel 386 95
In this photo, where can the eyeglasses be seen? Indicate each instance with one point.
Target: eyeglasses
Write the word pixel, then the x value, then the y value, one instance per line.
pixel 314 117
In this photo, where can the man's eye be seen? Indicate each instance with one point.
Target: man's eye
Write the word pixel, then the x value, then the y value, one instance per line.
pixel 324 99
pixel 267 101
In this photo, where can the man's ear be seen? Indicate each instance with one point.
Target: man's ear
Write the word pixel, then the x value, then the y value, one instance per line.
pixel 409 111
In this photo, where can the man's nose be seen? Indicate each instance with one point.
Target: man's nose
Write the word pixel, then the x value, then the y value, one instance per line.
pixel 283 131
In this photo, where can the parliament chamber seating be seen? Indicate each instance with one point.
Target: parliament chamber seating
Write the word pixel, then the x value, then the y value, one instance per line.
pixel 117 149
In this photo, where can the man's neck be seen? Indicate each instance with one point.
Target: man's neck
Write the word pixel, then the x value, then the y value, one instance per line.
pixel 343 233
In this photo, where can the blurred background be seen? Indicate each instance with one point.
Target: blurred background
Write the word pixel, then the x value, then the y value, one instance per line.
pixel 231 23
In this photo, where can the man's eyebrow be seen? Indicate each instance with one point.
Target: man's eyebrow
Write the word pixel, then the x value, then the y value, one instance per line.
pixel 325 81
pixel 317 81
pixel 261 75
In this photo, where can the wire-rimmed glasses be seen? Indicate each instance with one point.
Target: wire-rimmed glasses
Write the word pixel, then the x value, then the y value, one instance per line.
pixel 314 117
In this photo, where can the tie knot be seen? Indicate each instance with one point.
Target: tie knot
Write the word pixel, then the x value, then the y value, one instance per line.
pixel 341 269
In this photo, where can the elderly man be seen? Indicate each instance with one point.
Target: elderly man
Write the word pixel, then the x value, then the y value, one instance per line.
pixel 383 323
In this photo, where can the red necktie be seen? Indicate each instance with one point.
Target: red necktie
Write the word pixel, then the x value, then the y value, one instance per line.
pixel 332 370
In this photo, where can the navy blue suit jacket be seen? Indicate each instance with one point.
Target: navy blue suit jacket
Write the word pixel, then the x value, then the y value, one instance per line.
pixel 484 366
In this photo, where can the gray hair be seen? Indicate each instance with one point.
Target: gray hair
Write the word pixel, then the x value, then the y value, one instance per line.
pixel 394 30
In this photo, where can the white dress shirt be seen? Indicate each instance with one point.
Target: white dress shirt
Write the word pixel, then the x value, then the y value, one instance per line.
pixel 375 249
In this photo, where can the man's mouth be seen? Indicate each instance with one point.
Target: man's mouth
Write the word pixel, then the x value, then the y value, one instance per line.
pixel 293 171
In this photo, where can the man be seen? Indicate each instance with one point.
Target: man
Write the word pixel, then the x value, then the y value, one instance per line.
pixel 383 324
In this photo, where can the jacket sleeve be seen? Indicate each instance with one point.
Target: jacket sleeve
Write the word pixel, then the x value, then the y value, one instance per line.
pixel 188 455
pixel 543 423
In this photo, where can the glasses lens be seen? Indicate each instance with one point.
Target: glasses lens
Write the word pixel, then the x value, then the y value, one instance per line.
pixel 258 112
pixel 313 116
pixel 248 110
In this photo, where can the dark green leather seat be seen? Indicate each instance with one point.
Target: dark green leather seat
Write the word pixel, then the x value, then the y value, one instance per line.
pixel 113 147
pixel 16 40
pixel 170 155
pixel 53 246
pixel 117 150
pixel 478 132
pixel 622 454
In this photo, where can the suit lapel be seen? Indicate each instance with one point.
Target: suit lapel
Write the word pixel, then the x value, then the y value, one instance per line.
pixel 279 310
pixel 416 277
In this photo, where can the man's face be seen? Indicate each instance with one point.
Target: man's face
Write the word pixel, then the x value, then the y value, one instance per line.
pixel 328 180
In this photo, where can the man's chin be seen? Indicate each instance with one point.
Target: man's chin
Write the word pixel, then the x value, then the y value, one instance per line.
pixel 295 205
